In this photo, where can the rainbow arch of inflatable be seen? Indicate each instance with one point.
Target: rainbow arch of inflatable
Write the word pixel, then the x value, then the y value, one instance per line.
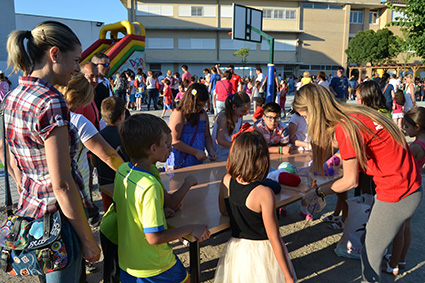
pixel 124 53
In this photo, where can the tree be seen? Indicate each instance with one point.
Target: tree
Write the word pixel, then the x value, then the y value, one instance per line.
pixel 373 47
pixel 412 22
pixel 243 53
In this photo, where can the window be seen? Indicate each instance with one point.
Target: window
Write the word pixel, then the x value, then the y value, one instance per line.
pixel 154 10
pixel 226 11
pixel 280 45
pixel 280 14
pixel 321 6
pixel 197 43
pixel 197 11
pixel 373 17
pixel 356 17
pixel 396 16
pixel 159 43
pixel 229 44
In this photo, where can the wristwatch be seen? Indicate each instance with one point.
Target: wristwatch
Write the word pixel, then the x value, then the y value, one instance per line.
pixel 320 193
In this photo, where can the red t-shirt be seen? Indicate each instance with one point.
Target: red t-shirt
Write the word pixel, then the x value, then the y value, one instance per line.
pixel 392 167
pixel 258 112
pixel 91 113
pixel 235 80
pixel 186 76
pixel 167 95
pixel 223 88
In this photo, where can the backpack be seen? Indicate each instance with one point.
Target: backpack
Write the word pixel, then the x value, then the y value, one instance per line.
pixel 122 84
pixel 136 83
pixel 159 86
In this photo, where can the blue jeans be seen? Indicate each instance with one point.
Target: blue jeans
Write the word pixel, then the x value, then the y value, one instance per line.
pixel 72 272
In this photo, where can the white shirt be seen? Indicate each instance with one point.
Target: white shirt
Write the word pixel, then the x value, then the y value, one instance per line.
pixel 324 83
pixel 395 83
pixel 86 131
pixel 260 78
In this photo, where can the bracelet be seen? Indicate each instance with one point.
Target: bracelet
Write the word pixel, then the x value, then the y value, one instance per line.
pixel 280 149
pixel 320 193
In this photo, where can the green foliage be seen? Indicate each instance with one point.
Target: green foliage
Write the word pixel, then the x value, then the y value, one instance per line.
pixel 413 23
pixel 243 53
pixel 373 47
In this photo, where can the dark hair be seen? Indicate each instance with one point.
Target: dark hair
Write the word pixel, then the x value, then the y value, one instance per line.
pixel 260 101
pixel 188 103
pixel 272 107
pixel 371 95
pixel 214 69
pixel 384 79
pixel 227 75
pixel 184 67
pixel 341 68
pixel 399 97
pixel 231 66
pixel 416 117
pixel 167 81
pixel 44 36
pixel 259 69
pixel 139 132
pixel 207 70
pixel 238 100
pixel 112 109
pixel 321 75
pixel 249 157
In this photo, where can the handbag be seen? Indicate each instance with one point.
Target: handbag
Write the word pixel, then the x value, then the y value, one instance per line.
pixel 29 246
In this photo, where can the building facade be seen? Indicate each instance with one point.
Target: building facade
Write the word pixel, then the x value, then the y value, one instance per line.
pixel 309 35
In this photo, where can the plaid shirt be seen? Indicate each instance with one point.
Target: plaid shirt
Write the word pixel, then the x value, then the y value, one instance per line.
pixel 32 111
pixel 278 136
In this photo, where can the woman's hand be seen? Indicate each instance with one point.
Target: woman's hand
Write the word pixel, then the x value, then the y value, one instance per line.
pixel 91 250
pixel 200 155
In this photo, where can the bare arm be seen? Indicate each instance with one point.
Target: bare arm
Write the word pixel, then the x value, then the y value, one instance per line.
pixel 223 193
pixel 417 151
pixel 208 140
pixel 174 200
pixel 412 94
pixel 102 149
pixel 332 90
pixel 66 192
pixel 221 130
pixel 292 131
pixel 200 232
pixel 349 180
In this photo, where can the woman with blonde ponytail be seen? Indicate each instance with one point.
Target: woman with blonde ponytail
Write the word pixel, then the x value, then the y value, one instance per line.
pixel 368 141
pixel 43 141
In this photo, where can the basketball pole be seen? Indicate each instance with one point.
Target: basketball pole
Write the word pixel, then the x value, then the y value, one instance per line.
pixel 270 66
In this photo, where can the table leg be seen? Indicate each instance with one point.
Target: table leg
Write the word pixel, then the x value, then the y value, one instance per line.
pixel 195 265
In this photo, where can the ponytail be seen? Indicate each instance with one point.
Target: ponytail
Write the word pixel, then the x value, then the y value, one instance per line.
pixel 39 41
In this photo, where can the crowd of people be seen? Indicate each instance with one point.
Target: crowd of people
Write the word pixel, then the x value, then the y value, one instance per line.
pixel 66 119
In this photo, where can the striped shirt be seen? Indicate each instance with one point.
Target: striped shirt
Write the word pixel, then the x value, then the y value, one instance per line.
pixel 32 111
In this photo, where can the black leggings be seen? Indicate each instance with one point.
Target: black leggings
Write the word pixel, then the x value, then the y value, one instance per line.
pixel 152 95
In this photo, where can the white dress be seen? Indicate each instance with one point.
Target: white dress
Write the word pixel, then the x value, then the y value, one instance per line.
pixel 223 152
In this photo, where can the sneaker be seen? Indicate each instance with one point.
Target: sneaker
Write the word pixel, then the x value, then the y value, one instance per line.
pixel 94 221
pixel 90 268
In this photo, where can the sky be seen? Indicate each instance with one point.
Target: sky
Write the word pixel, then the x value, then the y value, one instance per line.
pixel 107 11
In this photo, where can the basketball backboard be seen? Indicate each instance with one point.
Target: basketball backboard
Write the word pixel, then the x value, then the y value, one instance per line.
pixel 243 18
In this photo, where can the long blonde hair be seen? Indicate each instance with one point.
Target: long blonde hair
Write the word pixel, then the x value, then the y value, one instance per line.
pixel 324 113
pixel 78 92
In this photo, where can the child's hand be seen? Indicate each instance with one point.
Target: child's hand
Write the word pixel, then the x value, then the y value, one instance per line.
pixel 200 155
pixel 213 156
pixel 190 180
pixel 200 232
pixel 169 212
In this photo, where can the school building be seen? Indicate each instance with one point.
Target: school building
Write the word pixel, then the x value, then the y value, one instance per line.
pixel 309 35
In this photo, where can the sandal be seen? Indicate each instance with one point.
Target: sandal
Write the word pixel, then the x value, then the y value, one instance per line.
pixel 401 264
pixel 331 218
pixel 388 269
pixel 339 225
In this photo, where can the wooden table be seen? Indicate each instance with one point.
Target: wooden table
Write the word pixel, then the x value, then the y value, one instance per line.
pixel 200 205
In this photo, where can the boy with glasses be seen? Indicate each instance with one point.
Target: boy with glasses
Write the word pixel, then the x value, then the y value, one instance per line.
pixel 274 131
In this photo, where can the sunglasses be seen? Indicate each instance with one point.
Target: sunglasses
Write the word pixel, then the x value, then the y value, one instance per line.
pixel 103 64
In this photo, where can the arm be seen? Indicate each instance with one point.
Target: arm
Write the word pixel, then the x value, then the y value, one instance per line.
pixel 392 94
pixel 66 192
pixel 221 128
pixel 208 140
pixel 412 94
pixel 223 194
pixel 200 232
pixel 286 150
pixel 176 124
pixel 268 211
pixel 332 90
pixel 292 131
pixel 417 151
pixel 102 149
pixel 174 200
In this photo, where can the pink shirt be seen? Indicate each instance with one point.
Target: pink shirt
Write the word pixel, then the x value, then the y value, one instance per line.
pixel 186 76
pixel 223 88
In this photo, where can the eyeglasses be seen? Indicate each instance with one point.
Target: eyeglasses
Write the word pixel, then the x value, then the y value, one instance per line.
pixel 276 119
pixel 103 64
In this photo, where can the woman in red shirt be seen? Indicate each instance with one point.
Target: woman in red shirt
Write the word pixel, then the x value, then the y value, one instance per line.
pixel 222 90
pixel 371 142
